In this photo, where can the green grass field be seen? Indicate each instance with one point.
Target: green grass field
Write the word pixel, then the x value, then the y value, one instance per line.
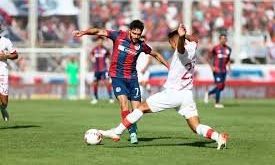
pixel 51 133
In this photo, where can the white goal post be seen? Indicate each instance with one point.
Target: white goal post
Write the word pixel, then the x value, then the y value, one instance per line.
pixel 34 53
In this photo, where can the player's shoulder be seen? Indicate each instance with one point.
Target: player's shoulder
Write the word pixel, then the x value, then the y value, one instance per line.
pixel 217 46
pixel 5 39
pixel 122 32
pixel 228 47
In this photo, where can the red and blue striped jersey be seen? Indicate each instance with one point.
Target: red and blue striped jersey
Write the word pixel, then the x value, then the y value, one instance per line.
pixel 125 54
pixel 221 56
pixel 98 56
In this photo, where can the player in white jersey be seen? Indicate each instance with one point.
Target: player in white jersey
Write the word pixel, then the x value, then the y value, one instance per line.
pixel 143 62
pixel 6 52
pixel 177 93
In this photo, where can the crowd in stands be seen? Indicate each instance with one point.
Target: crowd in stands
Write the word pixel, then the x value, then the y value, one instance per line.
pixel 209 17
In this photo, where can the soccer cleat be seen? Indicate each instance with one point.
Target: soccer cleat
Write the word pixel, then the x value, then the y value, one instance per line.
pixel 110 134
pixel 133 138
pixel 219 106
pixel 94 101
pixel 223 138
pixel 111 101
pixel 206 98
pixel 6 119
pixel 5 114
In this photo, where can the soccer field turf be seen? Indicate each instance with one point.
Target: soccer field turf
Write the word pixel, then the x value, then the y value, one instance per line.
pixel 51 133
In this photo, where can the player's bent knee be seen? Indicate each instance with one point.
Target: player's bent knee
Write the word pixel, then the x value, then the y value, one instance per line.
pixel 220 86
pixel 188 111
pixel 3 105
pixel 144 107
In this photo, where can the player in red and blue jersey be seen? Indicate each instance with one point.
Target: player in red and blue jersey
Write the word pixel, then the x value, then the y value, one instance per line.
pixel 126 48
pixel 219 61
pixel 99 56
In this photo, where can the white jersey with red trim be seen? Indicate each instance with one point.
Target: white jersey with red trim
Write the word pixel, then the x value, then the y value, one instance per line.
pixel 182 67
pixel 6 47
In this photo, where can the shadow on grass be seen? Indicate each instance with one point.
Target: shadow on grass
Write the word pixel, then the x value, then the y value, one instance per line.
pixel 157 138
pixel 192 144
pixel 19 126
pixel 232 105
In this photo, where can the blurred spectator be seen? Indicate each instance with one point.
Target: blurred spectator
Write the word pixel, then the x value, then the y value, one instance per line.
pixel 14 15
pixel 211 16
pixel 58 18
pixel 111 14
pixel 271 49
pixel 160 17
pixel 57 30
pixel 258 16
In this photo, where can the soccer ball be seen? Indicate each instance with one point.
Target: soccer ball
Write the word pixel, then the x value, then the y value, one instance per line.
pixel 92 136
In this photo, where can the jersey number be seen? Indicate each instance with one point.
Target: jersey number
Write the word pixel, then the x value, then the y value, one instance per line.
pixel 187 75
pixel 137 91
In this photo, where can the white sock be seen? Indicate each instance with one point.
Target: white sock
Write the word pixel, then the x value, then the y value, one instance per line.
pixel 141 91
pixel 134 116
pixel 120 129
pixel 207 132
pixel 131 118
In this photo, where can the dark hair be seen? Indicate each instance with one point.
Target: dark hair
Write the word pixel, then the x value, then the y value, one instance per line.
pixel 136 24
pixel 172 33
pixel 223 35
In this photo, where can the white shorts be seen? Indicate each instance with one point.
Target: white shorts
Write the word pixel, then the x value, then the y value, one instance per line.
pixel 4 85
pixel 143 76
pixel 181 100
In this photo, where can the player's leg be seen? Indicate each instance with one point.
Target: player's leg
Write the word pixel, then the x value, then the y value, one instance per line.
pixel 220 83
pixel 189 111
pixel 135 98
pixel 155 103
pixel 4 98
pixel 127 122
pixel 207 132
pixel 108 86
pixel 3 106
pixel 95 88
pixel 210 92
pixel 122 93
pixel 220 87
pixel 109 90
pixel 133 128
pixel 94 99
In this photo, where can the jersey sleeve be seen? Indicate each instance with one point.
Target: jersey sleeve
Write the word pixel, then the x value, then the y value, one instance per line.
pixel 191 49
pixel 229 55
pixel 112 34
pixel 9 46
pixel 146 48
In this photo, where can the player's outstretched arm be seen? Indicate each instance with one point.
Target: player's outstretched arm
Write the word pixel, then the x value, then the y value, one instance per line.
pixel 90 31
pixel 160 58
pixel 181 41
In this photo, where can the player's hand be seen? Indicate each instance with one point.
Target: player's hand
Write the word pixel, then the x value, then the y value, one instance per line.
pixel 77 33
pixel 3 55
pixel 181 30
